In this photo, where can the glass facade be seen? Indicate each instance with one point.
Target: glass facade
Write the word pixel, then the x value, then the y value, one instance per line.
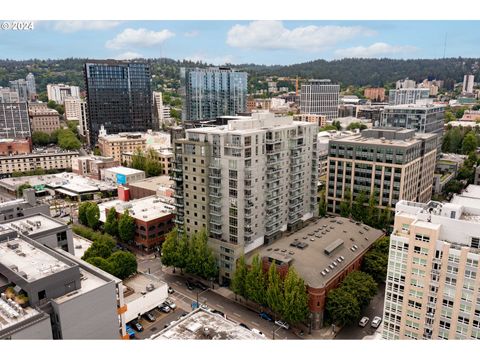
pixel 14 121
pixel 119 97
pixel 214 92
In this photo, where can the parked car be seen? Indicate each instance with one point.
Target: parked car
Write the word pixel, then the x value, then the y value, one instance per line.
pixel 164 308
pixel 256 331
pixel 201 285
pixel 170 304
pixel 190 285
pixel 137 326
pixel 282 324
pixel 218 312
pixel 265 316
pixel 376 322
pixel 364 321
pixel 149 316
pixel 170 290
pixel 130 332
pixel 244 326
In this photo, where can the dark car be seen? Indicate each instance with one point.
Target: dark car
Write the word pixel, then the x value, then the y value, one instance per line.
pixel 265 316
pixel 201 285
pixel 218 312
pixel 137 326
pixel 244 326
pixel 170 290
pixel 149 316
pixel 190 285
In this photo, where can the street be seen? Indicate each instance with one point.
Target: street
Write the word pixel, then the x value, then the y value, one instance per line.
pixel 234 311
pixel 375 308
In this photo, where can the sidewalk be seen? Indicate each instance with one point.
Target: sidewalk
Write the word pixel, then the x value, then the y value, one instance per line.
pixel 325 333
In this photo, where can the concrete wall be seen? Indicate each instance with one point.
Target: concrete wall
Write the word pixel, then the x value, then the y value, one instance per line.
pixel 41 330
pixel 146 302
pixel 92 315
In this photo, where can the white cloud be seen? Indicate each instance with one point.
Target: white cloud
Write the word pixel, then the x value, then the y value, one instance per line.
pixel 375 50
pixel 273 35
pixel 78 25
pixel 193 33
pixel 129 55
pixel 215 60
pixel 139 38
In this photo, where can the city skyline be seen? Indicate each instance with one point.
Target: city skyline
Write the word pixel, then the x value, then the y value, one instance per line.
pixel 261 42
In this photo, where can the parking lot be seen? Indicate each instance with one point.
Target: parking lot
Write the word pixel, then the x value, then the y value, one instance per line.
pixel 161 319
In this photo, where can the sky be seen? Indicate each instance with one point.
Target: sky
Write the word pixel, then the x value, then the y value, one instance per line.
pixel 237 42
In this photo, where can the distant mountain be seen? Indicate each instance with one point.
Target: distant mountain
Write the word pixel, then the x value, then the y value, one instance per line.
pixel 358 72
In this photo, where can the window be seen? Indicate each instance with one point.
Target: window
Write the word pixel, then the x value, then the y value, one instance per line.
pixel 475 243
pixel 420 237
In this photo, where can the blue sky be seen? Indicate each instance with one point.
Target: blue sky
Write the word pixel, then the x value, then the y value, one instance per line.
pixel 261 42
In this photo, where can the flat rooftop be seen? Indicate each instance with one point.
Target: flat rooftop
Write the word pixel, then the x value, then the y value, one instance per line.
pixel 88 282
pixel 138 284
pixel 307 248
pixel 80 245
pixel 124 170
pixel 145 209
pixel 12 315
pixel 29 261
pixel 153 183
pixel 34 224
pixel 204 325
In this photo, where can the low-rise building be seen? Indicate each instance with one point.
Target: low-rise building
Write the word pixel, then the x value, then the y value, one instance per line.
pixel 153 218
pixel 471 115
pixel 323 254
pixel 202 324
pixel 122 175
pixel 15 146
pixel 157 185
pixel 320 120
pixel 27 205
pixel 44 120
pixel 375 94
pixel 117 144
pixel 92 166
pixel 164 157
pixel 47 293
pixel 61 160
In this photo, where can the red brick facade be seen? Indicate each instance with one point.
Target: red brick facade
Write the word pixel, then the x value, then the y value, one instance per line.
pixel 15 147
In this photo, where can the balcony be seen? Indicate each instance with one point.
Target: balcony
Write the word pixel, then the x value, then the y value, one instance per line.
pixel 273 141
pixel 216 221
pixel 215 210
pixel 273 160
pixel 176 178
pixel 248 195
pixel 248 205
pixel 178 221
pixel 273 169
pixel 235 145
pixel 177 170
pixel 215 174
pixel 216 231
pixel 215 185
pixel 178 195
pixel 216 194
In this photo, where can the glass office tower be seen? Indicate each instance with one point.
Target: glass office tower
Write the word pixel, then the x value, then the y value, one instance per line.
pixel 119 97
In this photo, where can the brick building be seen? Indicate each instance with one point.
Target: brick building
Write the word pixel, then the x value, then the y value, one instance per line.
pixel 323 254
pixel 15 147
pixel 45 120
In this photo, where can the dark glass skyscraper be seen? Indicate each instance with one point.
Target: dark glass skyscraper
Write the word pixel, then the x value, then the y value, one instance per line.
pixel 119 97
pixel 214 92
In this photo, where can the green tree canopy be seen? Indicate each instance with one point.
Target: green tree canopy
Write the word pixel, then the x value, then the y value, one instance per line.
pixel 122 264
pixel 126 227
pixel 169 248
pixel 100 262
pixel 342 307
pixel 21 188
pixel 295 298
pixel 361 285
pixel 255 283
pixel 238 284
pixel 111 222
pixel 469 143
pixel 356 125
pixel 93 215
pixel 101 248
pixel 274 294
pixel 40 138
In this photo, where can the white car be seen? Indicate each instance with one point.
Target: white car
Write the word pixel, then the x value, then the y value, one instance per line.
pixel 364 321
pixel 258 332
pixel 376 322
pixel 170 304
pixel 282 324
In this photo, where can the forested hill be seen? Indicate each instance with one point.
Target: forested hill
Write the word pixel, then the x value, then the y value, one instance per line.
pixel 357 72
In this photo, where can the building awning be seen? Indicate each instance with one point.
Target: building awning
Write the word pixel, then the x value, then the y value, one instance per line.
pixel 66 192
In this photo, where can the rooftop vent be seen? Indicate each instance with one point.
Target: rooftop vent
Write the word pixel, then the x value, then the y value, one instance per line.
pixel 333 246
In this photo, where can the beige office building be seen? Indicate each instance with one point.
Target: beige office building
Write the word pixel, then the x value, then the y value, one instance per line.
pixel 392 163
pixel 246 183
pixel 44 120
pixel 61 160
pixel 117 144
pixel 433 279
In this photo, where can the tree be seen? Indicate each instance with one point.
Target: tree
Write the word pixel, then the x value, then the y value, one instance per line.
pixel 67 140
pixel 322 204
pixel 138 160
pixel 126 227
pixel 375 261
pixel 40 138
pixel 342 307
pixel 93 215
pixel 356 125
pixel 372 212
pixel 469 143
pixel 169 249
pixel 101 263
pixel 361 285
pixel 449 116
pixel 111 222
pixel 183 248
pixel 346 204
pixel 238 284
pixel 82 213
pixel 21 188
pixel 274 294
pixel 459 113
pixel 337 125
pixel 295 298
pixel 122 264
pixel 194 260
pixel 358 207
pixel 97 152
pixel 101 248
pixel 153 167
pixel 385 219
pixel 255 283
